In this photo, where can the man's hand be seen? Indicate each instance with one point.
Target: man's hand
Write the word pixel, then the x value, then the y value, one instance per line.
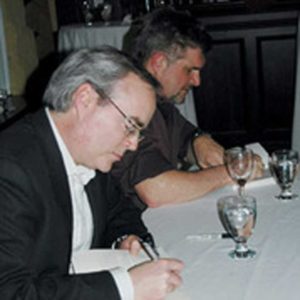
pixel 154 280
pixel 258 168
pixel 132 244
pixel 208 152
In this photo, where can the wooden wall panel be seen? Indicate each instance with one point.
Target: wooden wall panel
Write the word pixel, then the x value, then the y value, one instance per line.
pixel 247 90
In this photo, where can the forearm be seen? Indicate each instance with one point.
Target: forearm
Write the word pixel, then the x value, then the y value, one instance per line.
pixel 173 187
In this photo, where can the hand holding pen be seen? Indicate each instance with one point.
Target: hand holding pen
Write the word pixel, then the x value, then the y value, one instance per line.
pixel 134 244
pixel 150 250
pixel 157 277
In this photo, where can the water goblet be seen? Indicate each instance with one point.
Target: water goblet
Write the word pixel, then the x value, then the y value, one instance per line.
pixel 160 3
pixel 284 165
pixel 239 162
pixel 86 10
pixel 238 217
pixel 106 12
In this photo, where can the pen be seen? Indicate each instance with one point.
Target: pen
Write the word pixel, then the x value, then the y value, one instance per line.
pixel 149 250
pixel 208 236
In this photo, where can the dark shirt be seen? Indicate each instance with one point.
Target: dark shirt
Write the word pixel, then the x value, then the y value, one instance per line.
pixel 165 146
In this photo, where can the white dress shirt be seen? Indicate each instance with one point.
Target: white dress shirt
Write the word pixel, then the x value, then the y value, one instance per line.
pixel 83 227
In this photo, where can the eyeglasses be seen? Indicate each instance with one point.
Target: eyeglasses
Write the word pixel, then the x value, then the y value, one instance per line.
pixel 132 127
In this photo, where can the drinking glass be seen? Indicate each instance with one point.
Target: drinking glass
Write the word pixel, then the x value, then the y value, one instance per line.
pixel 284 165
pixel 160 3
pixel 106 12
pixel 86 10
pixel 238 217
pixel 239 162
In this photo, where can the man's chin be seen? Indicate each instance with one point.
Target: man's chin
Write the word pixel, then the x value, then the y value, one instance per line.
pixel 105 167
pixel 178 100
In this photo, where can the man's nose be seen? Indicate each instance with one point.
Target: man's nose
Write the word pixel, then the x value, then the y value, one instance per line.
pixel 131 142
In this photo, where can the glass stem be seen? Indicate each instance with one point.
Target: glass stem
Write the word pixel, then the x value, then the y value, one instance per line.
pixel 241 248
pixel 241 190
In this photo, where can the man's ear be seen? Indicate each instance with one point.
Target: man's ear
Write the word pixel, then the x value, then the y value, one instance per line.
pixel 157 63
pixel 83 97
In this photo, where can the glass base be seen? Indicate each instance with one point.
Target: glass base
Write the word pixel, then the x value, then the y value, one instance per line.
pixel 286 196
pixel 242 255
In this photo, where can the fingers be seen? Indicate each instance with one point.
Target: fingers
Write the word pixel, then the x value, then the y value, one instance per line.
pixel 174 267
pixel 213 158
pixel 156 278
pixel 174 282
pixel 259 164
pixel 135 248
pixel 132 244
pixel 208 152
pixel 258 167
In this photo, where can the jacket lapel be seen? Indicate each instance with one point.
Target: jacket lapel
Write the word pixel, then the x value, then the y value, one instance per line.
pixel 56 169
pixel 98 202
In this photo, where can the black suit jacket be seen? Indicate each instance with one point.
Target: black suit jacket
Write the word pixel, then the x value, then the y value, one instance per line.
pixel 36 219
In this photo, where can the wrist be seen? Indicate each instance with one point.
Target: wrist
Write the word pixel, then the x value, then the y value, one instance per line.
pixel 117 243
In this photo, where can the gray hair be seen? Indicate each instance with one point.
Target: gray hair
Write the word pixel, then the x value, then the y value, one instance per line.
pixel 101 68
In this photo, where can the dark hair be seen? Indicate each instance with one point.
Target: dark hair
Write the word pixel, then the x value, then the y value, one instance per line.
pixel 165 30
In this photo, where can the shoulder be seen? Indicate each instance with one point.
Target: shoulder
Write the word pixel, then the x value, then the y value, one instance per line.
pixel 20 138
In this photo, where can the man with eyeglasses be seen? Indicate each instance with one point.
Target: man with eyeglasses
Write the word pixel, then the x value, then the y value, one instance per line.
pixel 133 127
pixel 55 198
pixel 172 46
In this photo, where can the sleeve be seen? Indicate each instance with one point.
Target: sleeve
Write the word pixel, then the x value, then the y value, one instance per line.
pixel 124 282
pixel 182 130
pixel 148 161
pixel 33 260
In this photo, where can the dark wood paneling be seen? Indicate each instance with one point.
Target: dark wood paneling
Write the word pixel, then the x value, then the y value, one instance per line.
pixel 222 79
pixel 247 89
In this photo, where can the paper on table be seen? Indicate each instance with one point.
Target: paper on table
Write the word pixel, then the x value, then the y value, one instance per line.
pixel 257 148
pixel 103 259
pixel 95 260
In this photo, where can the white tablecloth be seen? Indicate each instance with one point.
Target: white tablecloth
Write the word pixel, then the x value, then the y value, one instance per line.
pixel 74 37
pixel 210 274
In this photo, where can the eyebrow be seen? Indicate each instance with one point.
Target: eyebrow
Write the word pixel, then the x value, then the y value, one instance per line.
pixel 112 101
pixel 138 122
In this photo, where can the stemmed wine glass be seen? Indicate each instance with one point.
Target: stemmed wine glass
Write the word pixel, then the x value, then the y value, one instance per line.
pixel 239 162
pixel 86 9
pixel 284 165
pixel 238 217
pixel 160 3
pixel 106 12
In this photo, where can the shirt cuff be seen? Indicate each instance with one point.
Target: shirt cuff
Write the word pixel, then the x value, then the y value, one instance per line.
pixel 123 282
